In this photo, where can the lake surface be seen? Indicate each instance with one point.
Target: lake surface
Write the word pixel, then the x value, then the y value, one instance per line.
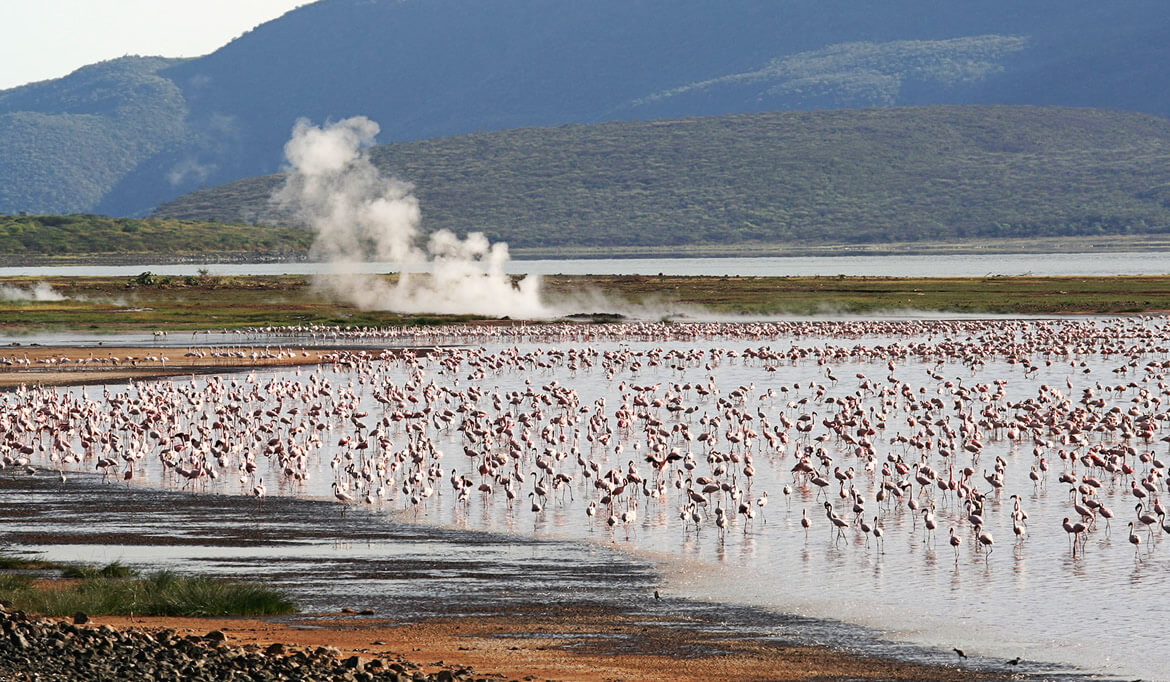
pixel 1085 264
pixel 481 438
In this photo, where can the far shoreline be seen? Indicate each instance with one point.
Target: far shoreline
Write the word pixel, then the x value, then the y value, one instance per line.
pixel 1038 246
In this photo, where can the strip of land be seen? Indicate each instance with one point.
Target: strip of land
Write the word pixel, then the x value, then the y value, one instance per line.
pixel 586 644
pixel 148 303
pixel 71 365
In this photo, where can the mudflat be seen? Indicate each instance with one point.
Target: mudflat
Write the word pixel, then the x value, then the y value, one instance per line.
pixel 580 644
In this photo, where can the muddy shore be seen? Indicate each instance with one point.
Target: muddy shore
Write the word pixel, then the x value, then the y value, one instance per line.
pixel 508 608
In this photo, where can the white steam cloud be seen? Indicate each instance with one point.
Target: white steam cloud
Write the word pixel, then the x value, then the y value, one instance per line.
pixel 41 291
pixel 360 215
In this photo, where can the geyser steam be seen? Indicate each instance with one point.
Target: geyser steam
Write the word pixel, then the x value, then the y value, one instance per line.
pixel 360 216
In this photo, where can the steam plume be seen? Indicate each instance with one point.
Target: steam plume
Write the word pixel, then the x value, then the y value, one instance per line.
pixel 41 291
pixel 360 215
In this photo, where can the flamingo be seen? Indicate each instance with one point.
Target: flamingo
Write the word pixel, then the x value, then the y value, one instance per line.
pixel 839 523
pixel 985 539
pixel 1074 531
pixel 341 495
pixel 929 522
pixel 955 541
pixel 1136 541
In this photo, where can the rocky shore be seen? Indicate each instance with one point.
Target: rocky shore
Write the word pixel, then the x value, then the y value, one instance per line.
pixel 47 650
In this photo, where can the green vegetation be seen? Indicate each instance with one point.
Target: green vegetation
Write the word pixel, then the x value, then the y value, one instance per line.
pixel 89 235
pixel 113 304
pixel 68 143
pixel 9 562
pixel 115 590
pixel 871 177
pixel 877 180
pixel 116 569
pixel 861 295
pixel 148 302
pixel 121 136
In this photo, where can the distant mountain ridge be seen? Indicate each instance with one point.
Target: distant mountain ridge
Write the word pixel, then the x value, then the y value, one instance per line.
pixel 869 176
pixel 122 136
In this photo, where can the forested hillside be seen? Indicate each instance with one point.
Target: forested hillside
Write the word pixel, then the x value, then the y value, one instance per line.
pixel 847 176
pixel 64 237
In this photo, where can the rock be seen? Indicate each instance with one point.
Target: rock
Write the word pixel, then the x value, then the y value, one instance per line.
pixel 56 651
pixel 80 618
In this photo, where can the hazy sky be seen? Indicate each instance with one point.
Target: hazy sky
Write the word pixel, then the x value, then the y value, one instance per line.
pixel 50 38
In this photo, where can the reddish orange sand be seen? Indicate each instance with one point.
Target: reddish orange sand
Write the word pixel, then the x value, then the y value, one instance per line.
pixel 579 646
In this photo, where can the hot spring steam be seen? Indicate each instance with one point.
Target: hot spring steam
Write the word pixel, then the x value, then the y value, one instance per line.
pixel 361 216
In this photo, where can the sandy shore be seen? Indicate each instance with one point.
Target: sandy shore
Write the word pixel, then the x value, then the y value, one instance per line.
pixel 66 365
pixel 577 645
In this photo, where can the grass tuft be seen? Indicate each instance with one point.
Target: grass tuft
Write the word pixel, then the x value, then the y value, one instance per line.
pixel 115 590
pixel 86 572
pixel 9 562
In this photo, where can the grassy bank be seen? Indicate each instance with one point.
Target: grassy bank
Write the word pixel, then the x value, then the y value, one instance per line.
pixel 116 589
pixel 861 295
pixel 147 302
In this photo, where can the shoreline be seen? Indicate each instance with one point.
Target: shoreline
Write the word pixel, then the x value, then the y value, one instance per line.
pixel 591 645
pixel 581 643
pixel 502 625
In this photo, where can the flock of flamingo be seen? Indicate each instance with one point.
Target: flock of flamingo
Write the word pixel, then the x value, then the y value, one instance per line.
pixel 867 428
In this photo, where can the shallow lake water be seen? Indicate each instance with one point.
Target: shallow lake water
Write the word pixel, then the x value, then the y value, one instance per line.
pixel 640 418
pixel 1100 264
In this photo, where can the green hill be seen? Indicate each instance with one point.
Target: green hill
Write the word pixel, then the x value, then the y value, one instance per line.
pixel 848 176
pixel 66 144
pixel 66 237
